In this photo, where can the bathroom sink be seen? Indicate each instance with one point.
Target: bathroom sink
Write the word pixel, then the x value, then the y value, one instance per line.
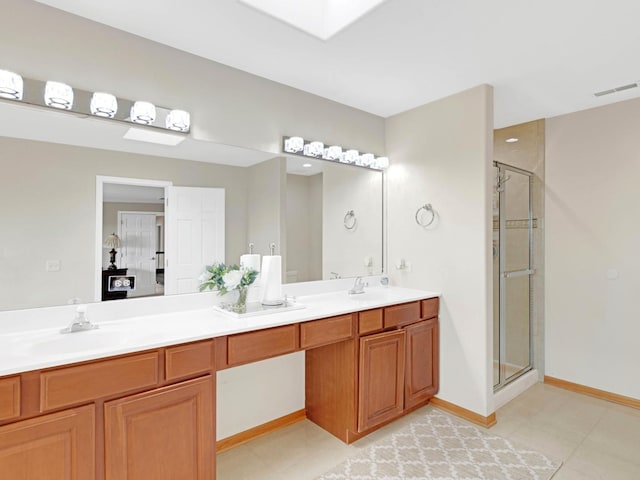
pixel 78 341
pixel 371 296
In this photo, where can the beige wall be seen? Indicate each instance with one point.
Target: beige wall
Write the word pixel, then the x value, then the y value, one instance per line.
pixel 304 218
pixel 47 209
pixel 592 238
pixel 343 250
pixel 266 214
pixel 441 154
pixel 227 105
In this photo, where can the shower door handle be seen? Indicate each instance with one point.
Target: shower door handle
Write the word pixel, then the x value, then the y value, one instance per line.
pixel 518 273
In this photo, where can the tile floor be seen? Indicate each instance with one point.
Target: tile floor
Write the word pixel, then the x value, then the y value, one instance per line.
pixel 594 439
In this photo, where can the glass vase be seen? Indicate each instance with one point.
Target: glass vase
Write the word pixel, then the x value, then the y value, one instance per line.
pixel 239 303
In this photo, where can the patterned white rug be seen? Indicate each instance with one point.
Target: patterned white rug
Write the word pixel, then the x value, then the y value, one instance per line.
pixel 436 446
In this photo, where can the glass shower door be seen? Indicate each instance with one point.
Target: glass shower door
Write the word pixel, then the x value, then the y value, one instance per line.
pixel 514 275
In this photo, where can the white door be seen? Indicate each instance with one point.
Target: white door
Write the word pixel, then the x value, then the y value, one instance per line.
pixel 137 233
pixel 194 235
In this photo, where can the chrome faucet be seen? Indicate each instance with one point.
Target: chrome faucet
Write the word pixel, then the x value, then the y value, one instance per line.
pixel 358 286
pixel 81 323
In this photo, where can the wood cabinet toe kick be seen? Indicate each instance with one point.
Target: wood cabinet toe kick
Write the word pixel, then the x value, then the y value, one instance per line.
pixel 362 370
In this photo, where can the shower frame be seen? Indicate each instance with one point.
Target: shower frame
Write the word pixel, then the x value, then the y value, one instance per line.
pixel 504 275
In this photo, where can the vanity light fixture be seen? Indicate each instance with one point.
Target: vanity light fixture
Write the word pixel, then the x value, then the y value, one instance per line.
pixel 11 85
pixel 313 149
pixel 366 160
pixel 172 125
pixel 178 120
pixel 143 113
pixel 381 163
pixel 334 153
pixel 350 156
pixel 58 95
pixel 104 105
pixel 294 145
pixel 511 140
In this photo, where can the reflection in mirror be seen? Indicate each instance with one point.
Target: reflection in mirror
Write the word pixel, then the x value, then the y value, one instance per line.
pixel 52 246
pixel 134 216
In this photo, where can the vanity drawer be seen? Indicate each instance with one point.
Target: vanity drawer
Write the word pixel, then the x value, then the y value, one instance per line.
pixel 190 359
pixel 370 321
pixel 261 344
pixel 91 381
pixel 430 307
pixel 404 314
pixel 325 331
pixel 9 398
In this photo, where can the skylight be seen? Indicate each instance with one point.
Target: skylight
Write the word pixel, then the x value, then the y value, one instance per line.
pixel 320 18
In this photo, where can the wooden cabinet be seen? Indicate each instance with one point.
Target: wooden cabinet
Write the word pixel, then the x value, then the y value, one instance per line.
pixel 389 369
pixel 399 315
pixel 190 359
pixel 261 344
pixel 422 363
pixel 61 387
pixel 381 381
pixel 370 321
pixel 152 414
pixel 125 417
pixel 58 446
pixel 9 398
pixel 325 331
pixel 164 434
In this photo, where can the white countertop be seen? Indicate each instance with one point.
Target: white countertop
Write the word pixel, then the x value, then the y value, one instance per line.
pixel 34 349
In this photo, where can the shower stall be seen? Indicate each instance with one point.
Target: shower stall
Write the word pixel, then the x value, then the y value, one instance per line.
pixel 513 225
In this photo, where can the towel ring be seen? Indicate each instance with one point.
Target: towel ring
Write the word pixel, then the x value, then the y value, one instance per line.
pixel 350 220
pixel 428 208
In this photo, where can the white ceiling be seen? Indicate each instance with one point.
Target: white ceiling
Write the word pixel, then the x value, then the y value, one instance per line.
pixel 544 58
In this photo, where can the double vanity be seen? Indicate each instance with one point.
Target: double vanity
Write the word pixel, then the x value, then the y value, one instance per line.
pixel 135 398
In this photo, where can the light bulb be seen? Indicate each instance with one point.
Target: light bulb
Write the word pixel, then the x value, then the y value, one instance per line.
pixel 178 120
pixel 58 95
pixel 11 85
pixel 104 105
pixel 143 113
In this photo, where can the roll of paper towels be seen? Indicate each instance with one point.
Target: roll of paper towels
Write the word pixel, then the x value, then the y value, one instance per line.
pixel 251 260
pixel 271 277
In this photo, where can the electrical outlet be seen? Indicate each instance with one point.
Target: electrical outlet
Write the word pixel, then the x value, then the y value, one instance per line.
pixel 52 266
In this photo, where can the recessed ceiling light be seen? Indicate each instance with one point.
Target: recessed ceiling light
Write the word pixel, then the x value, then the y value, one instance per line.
pixel 151 136
pixel 511 140
pixel 307 165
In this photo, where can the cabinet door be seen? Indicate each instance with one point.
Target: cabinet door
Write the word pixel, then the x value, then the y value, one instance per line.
pixel 58 446
pixel 381 383
pixel 422 362
pixel 165 434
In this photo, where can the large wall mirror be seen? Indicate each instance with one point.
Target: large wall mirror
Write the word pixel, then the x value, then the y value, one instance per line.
pixel 325 218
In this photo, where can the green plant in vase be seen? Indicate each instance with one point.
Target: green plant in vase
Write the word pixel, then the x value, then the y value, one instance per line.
pixel 229 278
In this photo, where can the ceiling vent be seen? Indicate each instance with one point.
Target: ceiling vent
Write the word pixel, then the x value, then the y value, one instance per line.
pixel 615 90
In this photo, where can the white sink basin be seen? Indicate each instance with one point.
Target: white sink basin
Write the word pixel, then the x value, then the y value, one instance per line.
pixel 78 341
pixel 368 296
